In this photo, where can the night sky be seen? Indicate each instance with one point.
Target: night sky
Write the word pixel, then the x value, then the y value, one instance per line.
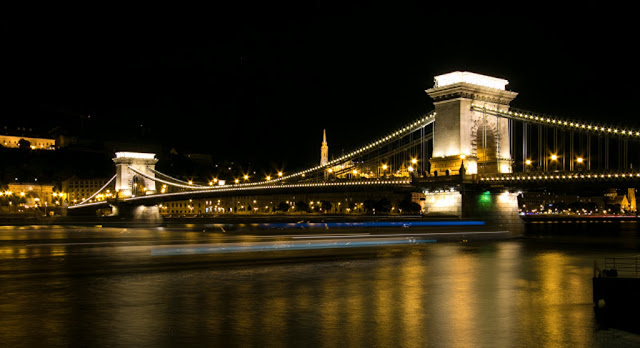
pixel 251 82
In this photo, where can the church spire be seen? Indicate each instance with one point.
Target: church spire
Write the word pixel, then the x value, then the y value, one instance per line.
pixel 324 149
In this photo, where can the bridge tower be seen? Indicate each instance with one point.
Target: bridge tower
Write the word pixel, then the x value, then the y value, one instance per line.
pixel 128 182
pixel 462 134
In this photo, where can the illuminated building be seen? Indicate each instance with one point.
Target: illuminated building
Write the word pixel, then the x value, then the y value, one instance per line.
pixel 33 193
pixel 11 141
pixel 77 189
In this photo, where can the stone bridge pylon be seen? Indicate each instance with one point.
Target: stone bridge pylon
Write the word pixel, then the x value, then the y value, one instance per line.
pixel 461 133
pixel 128 182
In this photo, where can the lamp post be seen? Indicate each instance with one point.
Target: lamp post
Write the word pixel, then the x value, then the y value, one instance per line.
pixel 579 160
pixel 554 158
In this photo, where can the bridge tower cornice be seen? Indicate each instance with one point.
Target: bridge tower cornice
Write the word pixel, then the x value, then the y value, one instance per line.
pixel 463 90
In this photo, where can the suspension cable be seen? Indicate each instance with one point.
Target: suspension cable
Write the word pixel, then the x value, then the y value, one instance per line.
pixel 102 188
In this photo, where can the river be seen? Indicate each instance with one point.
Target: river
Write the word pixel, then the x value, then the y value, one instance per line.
pixel 154 287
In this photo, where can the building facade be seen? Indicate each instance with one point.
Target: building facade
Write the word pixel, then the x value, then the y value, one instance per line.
pixel 76 190
pixel 11 141
pixel 34 194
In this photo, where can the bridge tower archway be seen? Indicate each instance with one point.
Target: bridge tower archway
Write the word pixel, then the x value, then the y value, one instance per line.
pixel 129 182
pixel 462 133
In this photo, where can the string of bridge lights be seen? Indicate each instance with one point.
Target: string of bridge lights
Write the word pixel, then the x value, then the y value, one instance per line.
pixel 562 177
pixel 284 186
pixel 422 122
pixel 556 121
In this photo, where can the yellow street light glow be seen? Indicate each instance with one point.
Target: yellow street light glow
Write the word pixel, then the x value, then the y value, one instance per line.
pixel 330 170
pixel 463 156
pixel 355 171
pixel 414 161
pixel 279 173
pixel 384 166
pixel 528 162
pixel 268 177
pixel 246 177
pixel 190 182
pixel 237 181
pixel 554 157
pixel 410 168
pixel 579 159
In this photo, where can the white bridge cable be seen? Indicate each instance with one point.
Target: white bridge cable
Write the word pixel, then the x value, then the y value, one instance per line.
pixel 271 187
pixel 420 123
pixel 100 190
pixel 170 177
pixel 557 122
pixel 192 187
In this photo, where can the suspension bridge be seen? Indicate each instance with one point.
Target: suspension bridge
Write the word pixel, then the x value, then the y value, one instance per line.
pixel 472 138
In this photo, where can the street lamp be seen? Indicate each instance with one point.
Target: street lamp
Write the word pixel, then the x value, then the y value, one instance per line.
pixel 580 160
pixel 554 158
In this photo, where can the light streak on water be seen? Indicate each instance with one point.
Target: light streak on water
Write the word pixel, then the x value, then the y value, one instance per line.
pixel 373 224
pixel 403 235
pixel 225 248
pixel 326 242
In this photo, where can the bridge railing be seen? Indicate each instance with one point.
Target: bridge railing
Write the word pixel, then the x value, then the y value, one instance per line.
pixel 625 266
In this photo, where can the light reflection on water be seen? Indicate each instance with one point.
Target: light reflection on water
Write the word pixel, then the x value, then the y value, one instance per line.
pixel 514 293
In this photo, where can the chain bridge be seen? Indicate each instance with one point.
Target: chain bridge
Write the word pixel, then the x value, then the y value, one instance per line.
pixel 473 142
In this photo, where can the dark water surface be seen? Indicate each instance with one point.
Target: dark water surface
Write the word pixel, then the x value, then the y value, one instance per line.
pixel 89 286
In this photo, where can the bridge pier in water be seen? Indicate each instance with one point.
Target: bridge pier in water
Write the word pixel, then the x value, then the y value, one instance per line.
pixel 137 213
pixel 499 210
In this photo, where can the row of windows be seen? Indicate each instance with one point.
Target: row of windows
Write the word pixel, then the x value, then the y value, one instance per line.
pixel 85 183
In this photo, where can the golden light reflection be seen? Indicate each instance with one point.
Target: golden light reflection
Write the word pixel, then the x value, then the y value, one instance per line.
pixel 413 295
pixel 383 304
pixel 276 306
pixel 463 297
pixel 329 313
pixel 243 317
pixel 355 309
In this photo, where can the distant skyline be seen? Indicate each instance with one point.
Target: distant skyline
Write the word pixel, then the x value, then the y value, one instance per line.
pixel 255 82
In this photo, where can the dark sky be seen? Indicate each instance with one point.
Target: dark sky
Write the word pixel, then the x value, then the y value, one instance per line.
pixel 255 82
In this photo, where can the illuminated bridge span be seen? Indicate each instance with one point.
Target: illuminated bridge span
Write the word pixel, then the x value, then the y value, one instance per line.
pixel 472 137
